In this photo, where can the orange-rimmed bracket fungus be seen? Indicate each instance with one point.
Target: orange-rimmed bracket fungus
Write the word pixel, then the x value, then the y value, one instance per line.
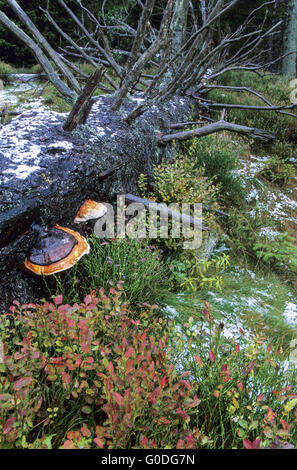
pixel 56 249
pixel 90 210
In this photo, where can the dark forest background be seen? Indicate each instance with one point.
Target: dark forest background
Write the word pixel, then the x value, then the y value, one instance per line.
pixel 13 51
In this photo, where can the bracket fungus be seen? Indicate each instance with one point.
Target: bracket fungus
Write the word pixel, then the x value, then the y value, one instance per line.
pixel 56 249
pixel 90 210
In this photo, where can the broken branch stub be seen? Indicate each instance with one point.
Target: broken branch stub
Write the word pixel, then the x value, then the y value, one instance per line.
pixel 83 104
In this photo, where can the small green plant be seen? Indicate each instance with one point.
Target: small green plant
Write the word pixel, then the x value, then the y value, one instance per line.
pixel 281 251
pixel 192 272
pixel 178 272
pixel 6 68
pixel 184 181
pixel 181 182
pixel 278 171
pixel 204 273
pixel 138 266
pixel 52 98
pixel 218 155
pixel 246 389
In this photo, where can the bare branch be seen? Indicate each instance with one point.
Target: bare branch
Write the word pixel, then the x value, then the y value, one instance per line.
pixel 41 58
pixel 72 82
pixel 219 126
pixel 142 26
pixel 163 209
pixel 208 88
pixel 106 53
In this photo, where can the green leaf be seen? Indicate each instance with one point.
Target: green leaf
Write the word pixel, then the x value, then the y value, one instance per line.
pixel 86 410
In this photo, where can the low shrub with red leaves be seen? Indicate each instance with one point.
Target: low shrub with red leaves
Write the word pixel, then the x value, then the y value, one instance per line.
pixel 88 376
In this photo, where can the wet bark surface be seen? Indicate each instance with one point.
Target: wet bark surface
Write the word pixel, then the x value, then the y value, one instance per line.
pixel 47 173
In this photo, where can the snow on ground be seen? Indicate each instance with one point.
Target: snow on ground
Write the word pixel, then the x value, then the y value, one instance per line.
pixel 21 155
pixel 279 205
pixel 290 313
pixel 12 94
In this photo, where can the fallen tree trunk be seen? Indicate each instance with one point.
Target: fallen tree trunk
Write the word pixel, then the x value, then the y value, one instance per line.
pixel 46 173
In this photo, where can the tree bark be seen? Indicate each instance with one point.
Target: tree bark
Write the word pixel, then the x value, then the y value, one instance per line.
pixel 290 41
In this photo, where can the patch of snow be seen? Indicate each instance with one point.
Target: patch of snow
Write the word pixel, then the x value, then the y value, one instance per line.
pixel 21 171
pixel 268 233
pixel 290 313
pixel 138 99
pixel 58 145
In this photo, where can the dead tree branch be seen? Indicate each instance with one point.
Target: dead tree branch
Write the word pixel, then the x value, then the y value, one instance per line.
pixel 84 102
pixel 219 126
pixel 72 82
pixel 164 210
pixel 54 78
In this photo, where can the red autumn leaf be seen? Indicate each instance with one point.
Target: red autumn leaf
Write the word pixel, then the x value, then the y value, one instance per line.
pixel 99 442
pixel 130 352
pixel 180 444
pixel 9 425
pixel 89 360
pixel 163 382
pixel 152 369
pixel 237 348
pixel 260 397
pixel 118 398
pixel 110 368
pixel 59 299
pixel 240 385
pixel 85 347
pixel 68 445
pixel 88 299
pixel 198 360
pixel 23 382
pixel 129 366
pixel 85 431
pixel 212 356
pixel 192 403
pixel 35 355
pixel 285 425
pixel 144 442
pixel 65 378
pixel 251 444
pixel 270 415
